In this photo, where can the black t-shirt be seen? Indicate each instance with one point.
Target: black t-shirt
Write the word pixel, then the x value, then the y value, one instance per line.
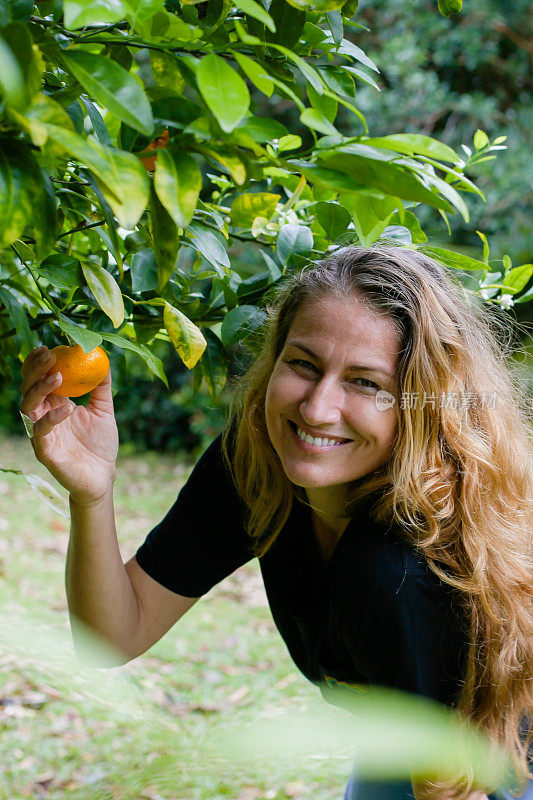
pixel 375 614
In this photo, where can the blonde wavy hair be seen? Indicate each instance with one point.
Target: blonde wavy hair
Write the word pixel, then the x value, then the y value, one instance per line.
pixel 459 482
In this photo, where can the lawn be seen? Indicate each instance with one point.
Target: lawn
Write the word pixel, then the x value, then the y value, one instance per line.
pixel 157 727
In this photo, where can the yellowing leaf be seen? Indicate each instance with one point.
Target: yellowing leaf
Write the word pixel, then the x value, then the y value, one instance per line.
pixel 184 335
pixel 247 207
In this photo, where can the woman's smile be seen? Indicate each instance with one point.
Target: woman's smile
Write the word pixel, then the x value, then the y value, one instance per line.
pixel 312 443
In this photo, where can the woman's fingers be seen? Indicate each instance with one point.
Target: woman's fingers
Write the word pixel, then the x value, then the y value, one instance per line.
pixel 52 418
pixel 32 356
pixel 37 383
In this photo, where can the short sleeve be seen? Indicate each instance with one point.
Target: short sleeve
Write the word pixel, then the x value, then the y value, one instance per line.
pixel 202 539
pixel 411 637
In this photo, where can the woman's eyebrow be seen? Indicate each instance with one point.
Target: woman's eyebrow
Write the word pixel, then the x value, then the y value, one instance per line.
pixel 368 367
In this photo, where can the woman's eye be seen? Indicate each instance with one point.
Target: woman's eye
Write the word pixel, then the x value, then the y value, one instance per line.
pixel 307 365
pixel 367 382
pixel 302 363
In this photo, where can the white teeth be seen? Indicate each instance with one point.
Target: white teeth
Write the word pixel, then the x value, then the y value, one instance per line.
pixel 318 442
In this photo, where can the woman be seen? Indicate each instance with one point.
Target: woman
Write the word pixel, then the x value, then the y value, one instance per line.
pixel 377 461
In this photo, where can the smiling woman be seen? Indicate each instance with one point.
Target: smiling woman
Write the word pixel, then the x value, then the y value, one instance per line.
pixel 443 467
pixel 377 462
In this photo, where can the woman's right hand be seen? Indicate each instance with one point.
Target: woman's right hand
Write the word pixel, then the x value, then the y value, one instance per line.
pixel 77 444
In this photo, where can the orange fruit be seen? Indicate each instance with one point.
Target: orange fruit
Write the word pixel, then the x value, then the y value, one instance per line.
pixel 161 141
pixel 81 371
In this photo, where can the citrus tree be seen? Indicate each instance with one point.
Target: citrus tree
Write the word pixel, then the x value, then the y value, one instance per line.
pixel 148 147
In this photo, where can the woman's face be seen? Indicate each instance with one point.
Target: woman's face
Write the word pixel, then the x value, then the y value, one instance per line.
pixel 337 357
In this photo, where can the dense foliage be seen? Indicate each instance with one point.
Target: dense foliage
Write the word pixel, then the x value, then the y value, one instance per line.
pixel 153 188
pixel 448 77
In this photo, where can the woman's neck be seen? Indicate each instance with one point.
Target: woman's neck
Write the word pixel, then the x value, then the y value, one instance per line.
pixel 327 504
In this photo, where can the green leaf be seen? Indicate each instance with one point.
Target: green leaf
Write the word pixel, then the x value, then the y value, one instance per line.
pixel 453 259
pixel 246 207
pixel 42 112
pixel 253 9
pixel 411 144
pixel 79 13
pixel 362 76
pixel 306 69
pixel 144 271
pixel 16 189
pixel 325 104
pixel 224 91
pixel 122 178
pixel 254 285
pixel 185 336
pixel 141 10
pixel 317 5
pixel 112 87
pixel 256 73
pixel 169 28
pixel 97 122
pixel 17 10
pixel 87 339
pixel 289 23
pixel 17 316
pixel 370 215
pixel 408 219
pixel 233 164
pixel 12 86
pixel 349 9
pixel 519 277
pixel 524 298
pixel 293 239
pixel 178 181
pixel 63 271
pixel 165 239
pixel 334 19
pixel 314 119
pixel 239 323
pixel 263 129
pixel 398 233
pixel 289 142
pixel 154 363
pixel 449 7
pixel 486 249
pixel 385 176
pixel 333 179
pixel 44 210
pixel 337 80
pixel 348 48
pixel 447 191
pixel 214 363
pixel 29 66
pixel 206 243
pixel 333 218
pixel 481 139
pixel 106 292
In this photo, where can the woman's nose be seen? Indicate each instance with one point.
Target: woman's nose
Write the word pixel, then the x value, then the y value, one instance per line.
pixel 322 403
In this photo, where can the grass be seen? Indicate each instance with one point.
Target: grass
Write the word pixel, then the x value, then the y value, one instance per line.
pixel 151 736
